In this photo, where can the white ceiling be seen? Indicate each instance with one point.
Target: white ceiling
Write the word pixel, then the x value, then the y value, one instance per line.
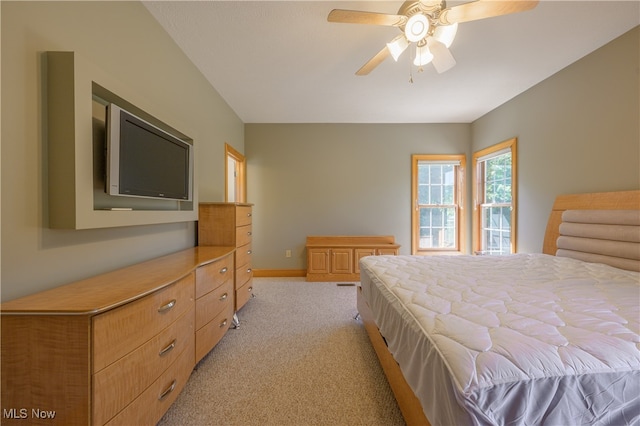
pixel 282 62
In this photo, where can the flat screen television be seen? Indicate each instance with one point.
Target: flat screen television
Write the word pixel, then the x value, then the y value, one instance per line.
pixel 144 160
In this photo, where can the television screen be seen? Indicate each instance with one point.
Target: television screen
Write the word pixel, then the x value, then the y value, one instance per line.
pixel 145 161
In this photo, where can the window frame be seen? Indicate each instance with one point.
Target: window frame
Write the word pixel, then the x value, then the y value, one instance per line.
pixel 460 194
pixel 238 185
pixel 479 190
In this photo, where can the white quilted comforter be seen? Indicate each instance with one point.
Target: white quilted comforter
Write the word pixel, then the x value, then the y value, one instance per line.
pixel 522 339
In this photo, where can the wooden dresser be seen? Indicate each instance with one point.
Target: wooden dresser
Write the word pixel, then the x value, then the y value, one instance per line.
pixel 116 348
pixel 230 224
pixel 336 258
pixel 214 303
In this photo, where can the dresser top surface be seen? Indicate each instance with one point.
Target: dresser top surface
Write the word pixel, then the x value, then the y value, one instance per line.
pixel 222 203
pixel 351 241
pixel 106 291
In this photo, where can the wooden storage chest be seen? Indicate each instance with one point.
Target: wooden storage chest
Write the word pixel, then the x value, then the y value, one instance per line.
pixel 336 258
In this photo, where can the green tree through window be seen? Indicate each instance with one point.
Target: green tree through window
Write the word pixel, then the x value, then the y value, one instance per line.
pixel 495 199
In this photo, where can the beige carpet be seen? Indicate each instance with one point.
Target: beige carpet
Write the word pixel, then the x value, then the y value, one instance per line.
pixel 298 358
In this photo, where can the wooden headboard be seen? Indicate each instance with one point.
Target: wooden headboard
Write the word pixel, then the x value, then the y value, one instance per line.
pixel 623 200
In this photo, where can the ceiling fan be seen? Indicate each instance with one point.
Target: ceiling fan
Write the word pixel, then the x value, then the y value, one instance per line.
pixel 429 24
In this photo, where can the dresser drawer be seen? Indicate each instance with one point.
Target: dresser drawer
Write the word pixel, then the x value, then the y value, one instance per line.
pixel 243 235
pixel 213 275
pixel 121 330
pixel 243 274
pixel 151 405
pixel 243 215
pixel 115 386
pixel 209 335
pixel 243 294
pixel 243 255
pixel 212 303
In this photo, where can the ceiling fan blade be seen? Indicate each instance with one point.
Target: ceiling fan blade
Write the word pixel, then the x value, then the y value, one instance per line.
pixel 371 18
pixel 481 9
pixel 442 60
pixel 374 62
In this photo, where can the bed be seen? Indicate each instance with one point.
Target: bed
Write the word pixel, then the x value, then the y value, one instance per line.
pixel 525 339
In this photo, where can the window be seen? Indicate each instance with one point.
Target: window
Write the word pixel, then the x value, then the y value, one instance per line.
pixel 494 195
pixel 235 176
pixel 437 194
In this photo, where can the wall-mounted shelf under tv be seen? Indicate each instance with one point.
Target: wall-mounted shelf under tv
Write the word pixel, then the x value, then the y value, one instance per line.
pixel 78 94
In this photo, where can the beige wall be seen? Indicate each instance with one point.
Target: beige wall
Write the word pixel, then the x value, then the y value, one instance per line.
pixel 125 42
pixel 335 179
pixel 578 131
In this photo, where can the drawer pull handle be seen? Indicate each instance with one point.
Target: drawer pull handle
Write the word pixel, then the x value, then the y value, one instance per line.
pixel 223 270
pixel 248 214
pixel 250 289
pixel 168 306
pixel 248 251
pixel 168 348
pixel 249 271
pixel 249 233
pixel 223 297
pixel 167 391
pixel 223 323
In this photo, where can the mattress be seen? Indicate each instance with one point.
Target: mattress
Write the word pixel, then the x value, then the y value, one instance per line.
pixel 525 339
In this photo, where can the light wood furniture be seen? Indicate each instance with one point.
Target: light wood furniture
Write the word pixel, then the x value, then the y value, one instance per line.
pixel 230 224
pixel 336 258
pixel 621 200
pixel 113 349
pixel 214 303
pixel 407 401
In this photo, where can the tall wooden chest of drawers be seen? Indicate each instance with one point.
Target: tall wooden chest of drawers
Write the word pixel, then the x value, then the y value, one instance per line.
pixel 230 224
pixel 113 349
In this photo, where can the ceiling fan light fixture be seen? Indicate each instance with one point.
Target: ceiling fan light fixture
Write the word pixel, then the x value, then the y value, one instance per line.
pixel 446 33
pixel 423 56
pixel 430 24
pixel 397 46
pixel 416 27
pixel 443 59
